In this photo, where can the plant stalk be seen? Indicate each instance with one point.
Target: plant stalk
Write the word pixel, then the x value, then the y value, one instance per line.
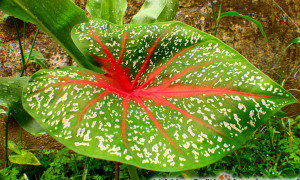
pixel 34 39
pixel 281 66
pixel 6 139
pixel 24 31
pixel 217 20
pixel 214 12
pixel 20 46
pixel 133 172
pixel 117 171
pixel 286 14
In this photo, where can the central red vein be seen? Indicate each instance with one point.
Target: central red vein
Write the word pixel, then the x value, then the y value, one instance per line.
pixel 113 68
pixel 147 59
pixel 121 56
pixel 189 91
pixel 124 114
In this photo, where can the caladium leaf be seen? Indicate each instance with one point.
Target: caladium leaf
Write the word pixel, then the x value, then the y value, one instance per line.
pixel 172 97
pixel 156 11
pixel 11 98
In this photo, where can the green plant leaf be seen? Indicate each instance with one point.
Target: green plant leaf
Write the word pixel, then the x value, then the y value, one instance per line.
pixel 36 57
pixel 109 10
pixel 22 156
pixel 156 11
pixel 172 98
pixel 296 40
pixel 12 146
pixel 258 24
pixel 55 17
pixel 11 97
pixel 25 158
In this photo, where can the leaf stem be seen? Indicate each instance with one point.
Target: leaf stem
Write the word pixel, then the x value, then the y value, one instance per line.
pixel 34 39
pixel 117 171
pixel 214 12
pixel 24 29
pixel 217 21
pixel 281 66
pixel 133 172
pixel 6 139
pixel 20 46
pixel 286 14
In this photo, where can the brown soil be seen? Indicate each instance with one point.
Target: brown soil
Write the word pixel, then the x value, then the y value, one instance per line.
pixel 241 34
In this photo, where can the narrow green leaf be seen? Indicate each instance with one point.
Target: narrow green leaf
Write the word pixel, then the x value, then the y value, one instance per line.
pixel 24 158
pixel 11 97
pixel 55 17
pixel 110 10
pixel 296 40
pixel 12 146
pixel 156 11
pixel 258 24
pixel 172 98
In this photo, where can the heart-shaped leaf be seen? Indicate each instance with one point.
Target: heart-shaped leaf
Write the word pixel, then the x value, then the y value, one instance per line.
pixel 172 97
pixel 21 156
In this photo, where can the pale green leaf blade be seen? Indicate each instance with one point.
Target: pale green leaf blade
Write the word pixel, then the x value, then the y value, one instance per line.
pixel 24 158
pixel 12 8
pixel 94 8
pixel 11 97
pixel 110 10
pixel 12 146
pixel 156 11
